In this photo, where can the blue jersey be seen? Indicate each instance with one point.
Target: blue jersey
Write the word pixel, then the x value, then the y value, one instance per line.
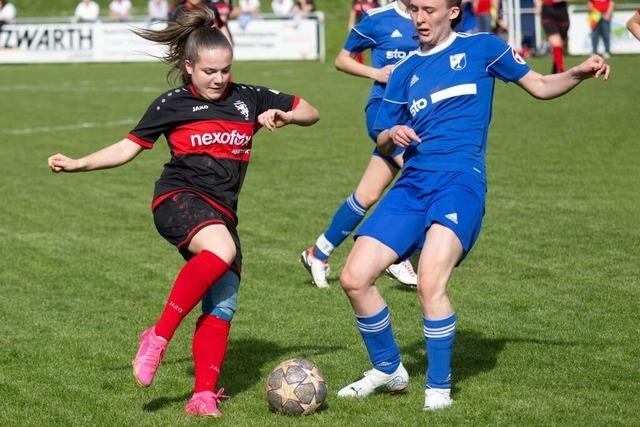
pixel 389 33
pixel 445 96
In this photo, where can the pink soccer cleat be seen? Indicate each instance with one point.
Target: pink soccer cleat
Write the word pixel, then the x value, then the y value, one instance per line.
pixel 149 356
pixel 205 404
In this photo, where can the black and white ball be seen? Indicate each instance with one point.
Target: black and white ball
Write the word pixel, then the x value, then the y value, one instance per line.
pixel 296 387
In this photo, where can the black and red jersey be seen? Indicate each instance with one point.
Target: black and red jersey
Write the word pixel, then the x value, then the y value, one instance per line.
pixel 360 7
pixel 210 141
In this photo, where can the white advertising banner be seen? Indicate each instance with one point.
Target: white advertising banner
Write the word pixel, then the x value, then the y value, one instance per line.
pixel 261 39
pixel 580 33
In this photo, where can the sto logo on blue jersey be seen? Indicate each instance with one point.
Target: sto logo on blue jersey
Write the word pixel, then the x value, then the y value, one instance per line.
pixel 417 105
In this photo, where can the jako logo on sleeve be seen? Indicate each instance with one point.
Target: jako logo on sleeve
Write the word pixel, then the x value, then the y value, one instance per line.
pixel 200 107
pixel 231 138
pixel 417 105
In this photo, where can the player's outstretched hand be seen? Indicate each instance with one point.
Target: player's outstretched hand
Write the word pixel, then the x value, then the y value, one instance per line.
pixel 383 73
pixel 592 67
pixel 61 163
pixel 403 135
pixel 274 118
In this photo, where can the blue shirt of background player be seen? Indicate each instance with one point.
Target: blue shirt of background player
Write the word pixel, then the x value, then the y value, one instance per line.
pixel 389 33
pixel 445 96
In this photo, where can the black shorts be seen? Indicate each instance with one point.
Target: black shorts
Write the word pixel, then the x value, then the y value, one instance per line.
pixel 555 19
pixel 179 217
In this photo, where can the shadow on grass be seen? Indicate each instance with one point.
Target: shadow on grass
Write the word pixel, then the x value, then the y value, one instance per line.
pixel 243 364
pixel 473 354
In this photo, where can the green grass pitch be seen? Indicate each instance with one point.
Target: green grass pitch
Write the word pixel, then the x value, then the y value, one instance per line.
pixel 547 300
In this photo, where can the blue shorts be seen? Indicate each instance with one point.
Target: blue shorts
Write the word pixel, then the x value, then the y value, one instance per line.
pixel 420 198
pixel 371 112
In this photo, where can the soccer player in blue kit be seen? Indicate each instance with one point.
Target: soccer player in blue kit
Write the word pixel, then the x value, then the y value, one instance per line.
pixel 437 105
pixel 390 34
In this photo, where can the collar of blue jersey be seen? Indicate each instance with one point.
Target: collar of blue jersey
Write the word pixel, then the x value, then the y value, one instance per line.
pixel 439 48
pixel 400 12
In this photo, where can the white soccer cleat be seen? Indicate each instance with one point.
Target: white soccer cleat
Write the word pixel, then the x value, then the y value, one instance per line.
pixel 437 398
pixel 375 380
pixel 318 269
pixel 403 272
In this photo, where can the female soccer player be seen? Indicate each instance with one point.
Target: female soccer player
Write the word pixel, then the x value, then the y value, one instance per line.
pixel 209 123
pixel 390 34
pixel 437 106
pixel 555 21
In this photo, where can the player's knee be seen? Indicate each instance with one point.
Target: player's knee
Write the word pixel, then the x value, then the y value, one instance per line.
pixel 367 197
pixel 351 282
pixel 221 300
pixel 431 288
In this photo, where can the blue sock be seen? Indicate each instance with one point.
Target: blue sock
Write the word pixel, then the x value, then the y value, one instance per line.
pixel 378 338
pixel 439 337
pixel 344 221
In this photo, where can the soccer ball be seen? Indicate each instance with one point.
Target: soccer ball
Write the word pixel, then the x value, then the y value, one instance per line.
pixel 296 387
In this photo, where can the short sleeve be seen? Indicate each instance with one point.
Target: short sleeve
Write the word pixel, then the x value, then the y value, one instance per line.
pixel 270 98
pixel 362 36
pixel 393 108
pixel 503 61
pixel 156 121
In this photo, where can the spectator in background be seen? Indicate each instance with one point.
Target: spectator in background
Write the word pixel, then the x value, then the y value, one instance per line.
pixel 158 10
pixel 246 11
pixel 358 9
pixel 482 12
pixel 303 8
pixel 633 25
pixel 87 11
pixel 600 13
pixel 195 5
pixel 224 8
pixel 7 12
pixel 555 21
pixel 120 10
pixel 282 8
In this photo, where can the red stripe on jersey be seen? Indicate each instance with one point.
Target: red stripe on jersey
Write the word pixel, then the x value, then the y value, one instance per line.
pixel 217 138
pixel 296 101
pixel 141 142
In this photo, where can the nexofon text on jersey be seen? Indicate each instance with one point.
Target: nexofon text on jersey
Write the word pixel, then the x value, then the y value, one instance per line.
pixel 232 138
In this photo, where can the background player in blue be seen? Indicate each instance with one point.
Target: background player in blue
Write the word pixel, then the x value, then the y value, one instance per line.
pixel 390 34
pixel 438 105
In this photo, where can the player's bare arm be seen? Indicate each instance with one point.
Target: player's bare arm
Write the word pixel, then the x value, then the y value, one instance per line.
pixel 303 115
pixel 633 25
pixel 346 62
pixel 109 157
pixel 554 85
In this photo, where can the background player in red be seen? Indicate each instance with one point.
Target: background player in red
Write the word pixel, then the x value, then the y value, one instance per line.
pixel 358 9
pixel 555 21
pixel 602 11
pixel 209 123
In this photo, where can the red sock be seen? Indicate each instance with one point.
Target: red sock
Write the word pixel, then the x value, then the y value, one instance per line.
pixel 195 278
pixel 558 59
pixel 209 348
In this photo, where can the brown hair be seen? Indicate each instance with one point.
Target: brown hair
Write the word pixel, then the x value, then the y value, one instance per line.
pixel 458 4
pixel 191 32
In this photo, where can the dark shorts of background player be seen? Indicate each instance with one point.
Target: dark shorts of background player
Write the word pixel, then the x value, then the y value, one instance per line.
pixel 555 19
pixel 179 217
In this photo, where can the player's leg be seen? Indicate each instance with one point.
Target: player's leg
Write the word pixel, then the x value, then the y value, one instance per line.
pixel 366 261
pixel 441 252
pixel 606 37
pixel 199 231
pixel 210 344
pixel 377 176
pixel 595 37
pixel 454 219
pixel 395 228
pixel 556 43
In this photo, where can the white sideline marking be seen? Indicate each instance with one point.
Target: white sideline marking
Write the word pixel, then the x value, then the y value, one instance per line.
pixel 85 125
